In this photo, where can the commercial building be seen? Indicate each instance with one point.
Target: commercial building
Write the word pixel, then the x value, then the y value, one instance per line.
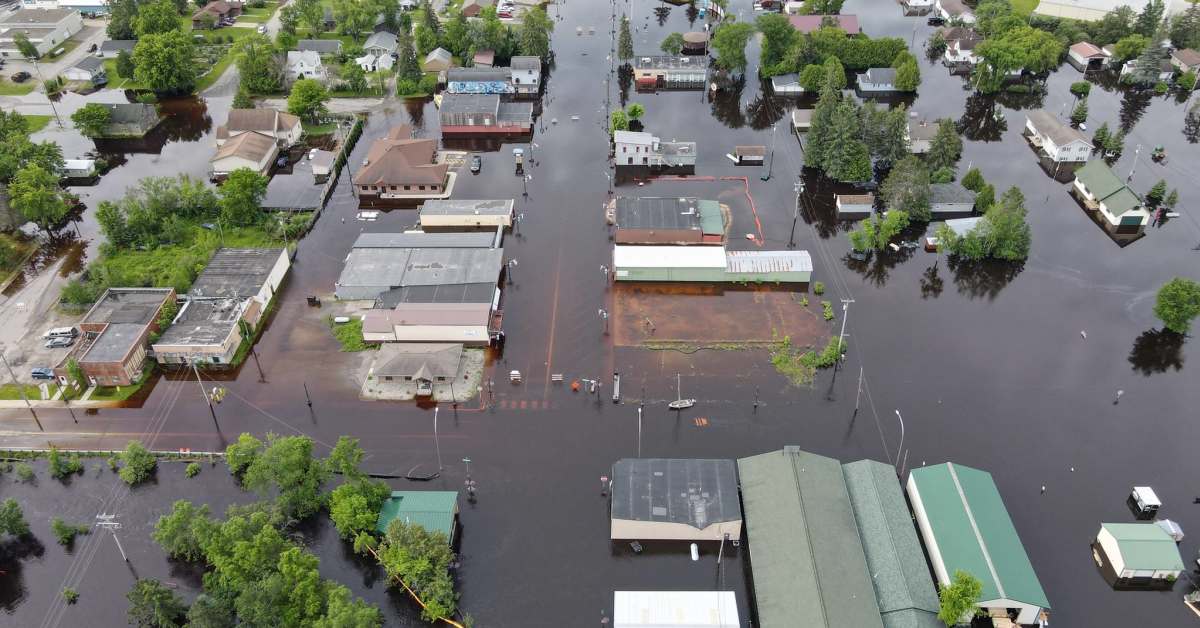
pixel 237 285
pixel 666 220
pixel 1055 140
pixel 966 527
pixel 641 149
pixel 87 8
pixel 285 128
pixel 479 80
pixel 46 29
pixel 664 499
pixel 468 323
pixel 251 150
pixel 467 213
pixel 808 23
pixel 675 609
pixel 382 262
pixel 115 333
pixel 710 264
pixel 484 114
pixel 1137 555
pixel 1102 192
pixel 436 511
pixel 670 71
pixel 1094 10
pixel 399 167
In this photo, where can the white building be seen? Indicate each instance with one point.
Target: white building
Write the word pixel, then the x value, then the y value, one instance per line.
pixel 304 64
pixel 675 609
pixel 1137 554
pixel 90 69
pixel 251 150
pixel 960 45
pixel 46 29
pixel 526 74
pixel 1093 10
pixel 86 7
pixel 381 43
pixel 284 127
pixel 465 323
pixel 636 148
pixel 467 213
pixel 955 10
pixel 1100 190
pixel 1058 141
pixel 371 62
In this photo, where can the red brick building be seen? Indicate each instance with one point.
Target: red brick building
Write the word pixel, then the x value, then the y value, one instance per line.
pixel 114 335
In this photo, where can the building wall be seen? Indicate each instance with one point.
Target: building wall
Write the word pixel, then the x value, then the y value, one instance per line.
pixel 282 264
pixel 466 220
pixel 659 236
pixel 63 31
pixel 1112 551
pixel 710 275
pixel 212 354
pixel 233 162
pixel 952 208
pixel 668 531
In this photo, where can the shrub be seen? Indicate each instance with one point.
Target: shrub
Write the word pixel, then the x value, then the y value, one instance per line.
pixel 24 472
pixel 138 465
pixel 1161 87
pixel 1081 88
pixel 827 308
pixel 70 595
pixel 192 470
pixel 61 467
pixel 65 532
pixel 818 288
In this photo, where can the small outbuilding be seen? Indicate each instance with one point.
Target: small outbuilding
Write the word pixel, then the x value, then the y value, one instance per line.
pixel 322 164
pixel 675 609
pixel 786 85
pixel 749 155
pixel 695 43
pixel 1087 56
pixel 675 499
pixel 438 60
pixel 1137 555
pixel 854 206
pixel 79 168
pixel 436 511
pixel 802 120
pixel 877 80
pixel 110 48
pixel 90 69
pixel 950 198
pixel 425 364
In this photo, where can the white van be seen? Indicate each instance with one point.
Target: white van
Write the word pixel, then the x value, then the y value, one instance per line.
pixel 61 332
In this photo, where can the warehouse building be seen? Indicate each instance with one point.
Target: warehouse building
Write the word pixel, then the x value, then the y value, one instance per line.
pixel 709 264
pixel 457 214
pixel 666 220
pixel 675 609
pixel 380 262
pixel 966 527
pixel 675 499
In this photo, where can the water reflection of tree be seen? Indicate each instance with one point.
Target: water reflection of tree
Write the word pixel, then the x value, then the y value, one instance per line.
pixel 662 13
pixel 186 120
pixel 1035 98
pixel 764 111
pixel 878 267
pixel 727 102
pixel 931 283
pixel 416 112
pixel 12 585
pixel 979 122
pixel 692 13
pixel 1133 105
pixel 1157 351
pixel 624 82
pixel 983 279
pixel 1191 125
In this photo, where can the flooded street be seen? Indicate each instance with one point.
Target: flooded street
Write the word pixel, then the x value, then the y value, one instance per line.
pixel 985 362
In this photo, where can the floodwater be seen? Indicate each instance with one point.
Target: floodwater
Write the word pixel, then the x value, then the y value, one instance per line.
pixel 985 363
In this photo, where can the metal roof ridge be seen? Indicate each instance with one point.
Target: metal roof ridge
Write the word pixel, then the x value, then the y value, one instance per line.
pixel 912 597
pixel 812 555
pixel 987 556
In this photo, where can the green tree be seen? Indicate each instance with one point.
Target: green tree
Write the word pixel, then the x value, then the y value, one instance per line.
pixel 137 463
pixel 243 100
pixel 1151 17
pixel 311 14
pixel 973 180
pixel 908 73
pixel 618 121
pixel 730 44
pixel 153 605
pixel 845 155
pixel 35 194
pixel 1009 235
pixel 1147 66
pixel 536 27
pixel 885 132
pixel 778 37
pixel 240 454
pixel 1130 46
pixel 355 77
pixel 121 16
pixel 1185 28
pixel 1115 144
pixel 12 520
pixel 960 598
pixel 407 66
pixel 26 47
pixel 215 611
pixel 906 189
pixel 1081 89
pixel 91 119
pixel 62 466
pixel 1177 304
pixel 1100 138
pixel 287 464
pixel 429 17
pixel 625 42
pixel 985 197
pixel 181 532
pixel 946 147
pixel 125 66
pixel 166 62
pixel 354 506
pixel 241 195
pixel 456 37
pixel 1155 196
pixel 343 610
pixel 259 69
pixel 1172 199
pixel 877 231
pixel 635 111
pixel 672 44
pixel 421 559
pixel 159 16
pixel 1080 113
pixel 352 17
pixel 65 533
pixel 820 135
pixel 307 99
pixel 835 73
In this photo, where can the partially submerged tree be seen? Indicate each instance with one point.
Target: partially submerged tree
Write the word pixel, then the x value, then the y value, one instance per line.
pixel 730 43
pixel 959 599
pixel 91 119
pixel 153 605
pixel 1177 304
pixel 625 41
pixel 672 44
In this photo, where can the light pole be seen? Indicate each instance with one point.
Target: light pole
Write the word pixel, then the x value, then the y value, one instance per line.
pixel 771 159
pixel 798 189
pixel 639 431
pixel 469 483
pixel 898 416
pixel 511 264
pixel 842 336
pixel 604 317
pixel 436 442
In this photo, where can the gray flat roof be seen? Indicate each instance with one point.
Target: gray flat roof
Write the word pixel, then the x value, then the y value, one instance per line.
pixel 657 212
pixel 127 305
pixel 470 103
pixel 670 62
pixel 950 193
pixel 434 240
pixel 456 293
pixel 496 207
pixel 203 322
pixel 114 342
pixel 394 268
pixel 235 273
pixel 697 492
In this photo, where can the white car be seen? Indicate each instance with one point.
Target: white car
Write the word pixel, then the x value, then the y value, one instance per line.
pixel 262 29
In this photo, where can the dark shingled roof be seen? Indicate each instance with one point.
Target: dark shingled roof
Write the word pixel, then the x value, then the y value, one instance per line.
pixel 698 493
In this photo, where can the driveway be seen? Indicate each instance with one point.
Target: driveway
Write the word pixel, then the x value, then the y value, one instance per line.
pixel 28 313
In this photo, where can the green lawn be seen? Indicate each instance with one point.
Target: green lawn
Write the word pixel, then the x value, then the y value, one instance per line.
pixel 115 393
pixel 116 82
pixel 8 88
pixel 13 252
pixel 10 391
pixel 223 64
pixel 258 15
pixel 1024 7
pixel 37 123
pixel 66 47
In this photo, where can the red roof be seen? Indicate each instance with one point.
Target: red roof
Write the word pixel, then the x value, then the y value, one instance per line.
pixel 810 23
pixel 1087 50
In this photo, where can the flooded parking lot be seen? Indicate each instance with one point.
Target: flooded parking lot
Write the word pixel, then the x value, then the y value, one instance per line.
pixel 986 362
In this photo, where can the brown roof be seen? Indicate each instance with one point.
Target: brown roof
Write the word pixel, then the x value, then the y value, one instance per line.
pixel 441 314
pixel 1087 50
pixel 253 146
pixel 396 160
pixel 856 199
pixel 750 151
pixel 260 120
pixel 487 57
pixel 217 7
pixel 695 37
pixel 400 132
pixel 955 7
pixel 1187 56
pixel 961 34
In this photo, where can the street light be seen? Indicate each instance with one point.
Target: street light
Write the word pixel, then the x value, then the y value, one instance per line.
pixel 511 264
pixel 604 317
pixel 436 442
pixel 798 188
pixel 898 416
pixel 639 431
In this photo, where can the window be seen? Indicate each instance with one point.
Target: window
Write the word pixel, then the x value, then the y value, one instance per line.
pixel 408 187
pixel 421 187
pixel 216 360
pixel 631 161
pixel 624 149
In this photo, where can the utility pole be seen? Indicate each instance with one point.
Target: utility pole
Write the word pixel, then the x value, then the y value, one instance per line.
pixel 196 370
pixel 858 396
pixel 469 483
pixel 901 435
pixel 799 189
pixel 604 317
pixel 107 521
pixel 21 389
pixel 306 397
pixel 1133 168
pixel 771 159
pixel 842 336
pixel 436 442
pixel 512 263
pixel 639 431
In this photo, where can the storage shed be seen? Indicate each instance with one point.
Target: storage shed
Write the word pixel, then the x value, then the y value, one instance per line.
pixel 966 527
pixel 675 609
pixel 802 120
pixel 435 511
pixel 854 206
pixel 786 85
pixel 695 43
pixel 750 155
pixel 1137 555
pixel 675 499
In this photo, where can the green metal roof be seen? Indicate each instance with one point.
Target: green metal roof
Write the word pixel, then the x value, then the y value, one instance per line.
pixel 1145 546
pixel 975 534
pixel 711 221
pixel 806 557
pixel 903 585
pixel 432 510
pixel 1102 183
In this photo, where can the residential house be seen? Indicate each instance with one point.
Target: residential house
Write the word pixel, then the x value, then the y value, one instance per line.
pixel 635 148
pixel 438 60
pixel 675 499
pixel 46 29
pixel 1186 60
pixel 484 114
pixel 472 8
pixel 381 43
pixel 216 12
pixel 304 64
pixel 115 336
pixel 130 119
pixel 284 127
pixel 90 69
pixel 485 58
pixel 1141 555
pixel 920 136
pixel 370 62
pixel 955 10
pixel 670 71
pixel 950 198
pixel 323 47
pixel 854 206
pixel 1101 191
pixel 1086 56
pixel 877 80
pixel 251 149
pixel 399 167
pixel 110 48
pixel 1164 73
pixel 960 46
pixel 229 297
pixel 786 85
pixel 424 364
pixel 808 23
pixel 1054 139
pixel 526 74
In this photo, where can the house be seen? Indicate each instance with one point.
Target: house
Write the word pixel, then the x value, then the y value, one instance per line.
pixel 670 71
pixel 660 499
pixel 749 155
pixel 638 148
pixel 89 69
pixel 216 12
pixel 252 150
pixel 920 136
pixel 472 8
pixel 400 167
pixel 479 81
pixel 1087 56
pixel 960 46
pixel 666 220
pixel 832 545
pixel 78 168
pixel 854 206
pixel 695 43
pixel 304 64
pixel 959 227
pixel 381 43
pixel 786 85
pixel 966 527
pixel 876 80
pixel 675 609
pixel 459 214
pixel 485 58
pixel 130 119
pixel 484 114
pixel 229 297
pixel 526 74
pixel 808 23
pixel 436 511
pixel 284 127
pixel 1164 73
pixel 425 365
pixel 1140 555
pixel 46 29
pixel 709 264
pixel 323 47
pixel 950 198
pixel 383 262
pixel 371 62
pixel 1102 192
pixel 110 48
pixel 954 10
pixel 115 335
pixel 801 120
pixel 917 6
pixel 438 60
pixel 1053 139
pixel 1186 60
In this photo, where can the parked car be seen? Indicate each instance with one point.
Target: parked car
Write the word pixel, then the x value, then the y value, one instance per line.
pixel 60 342
pixel 476 164
pixel 21 77
pixel 60 332
pixel 282 162
pixel 935 20
pixel 262 29
pixel 42 372
pixel 93 48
